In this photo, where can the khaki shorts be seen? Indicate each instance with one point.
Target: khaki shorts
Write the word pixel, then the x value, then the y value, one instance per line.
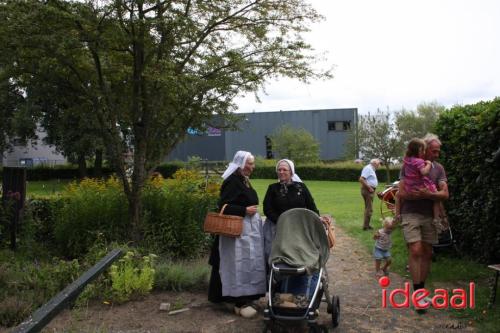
pixel 418 227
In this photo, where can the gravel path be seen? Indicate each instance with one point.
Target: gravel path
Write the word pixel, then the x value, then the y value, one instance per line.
pixel 352 278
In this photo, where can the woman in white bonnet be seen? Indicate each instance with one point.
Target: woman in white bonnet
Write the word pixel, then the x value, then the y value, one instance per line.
pixel 289 192
pixel 238 265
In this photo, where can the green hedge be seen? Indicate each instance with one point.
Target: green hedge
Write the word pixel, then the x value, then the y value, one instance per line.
pixel 168 169
pixel 471 135
pixel 59 172
pixel 71 171
pixel 316 171
pixel 41 213
pixel 325 172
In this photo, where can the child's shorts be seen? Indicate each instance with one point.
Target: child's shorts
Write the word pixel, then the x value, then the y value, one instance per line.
pixel 380 254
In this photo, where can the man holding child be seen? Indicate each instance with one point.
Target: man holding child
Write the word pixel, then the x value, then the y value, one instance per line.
pixel 417 216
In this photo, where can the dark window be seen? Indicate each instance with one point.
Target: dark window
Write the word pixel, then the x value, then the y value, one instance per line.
pixel 269 148
pixel 339 125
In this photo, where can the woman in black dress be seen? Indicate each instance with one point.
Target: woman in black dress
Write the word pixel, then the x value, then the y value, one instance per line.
pixel 238 266
pixel 289 192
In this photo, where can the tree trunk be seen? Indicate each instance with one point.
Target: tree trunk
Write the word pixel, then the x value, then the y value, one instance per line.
pixel 98 163
pixel 82 166
pixel 134 210
pixel 388 172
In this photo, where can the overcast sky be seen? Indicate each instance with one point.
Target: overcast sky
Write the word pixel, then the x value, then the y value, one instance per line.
pixel 394 54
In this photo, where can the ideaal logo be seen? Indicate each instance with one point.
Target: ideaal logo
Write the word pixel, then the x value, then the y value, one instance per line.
pixel 459 298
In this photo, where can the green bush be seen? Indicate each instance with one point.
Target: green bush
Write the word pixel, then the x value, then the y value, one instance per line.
pixel 172 217
pixel 174 214
pixel 101 288
pixel 47 279
pixel 42 214
pixel 167 170
pixel 471 135
pixel 24 228
pixel 132 277
pixel 93 209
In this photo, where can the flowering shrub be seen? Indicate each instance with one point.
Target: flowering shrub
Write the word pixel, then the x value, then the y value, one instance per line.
pixel 92 208
pixel 172 215
pixel 187 181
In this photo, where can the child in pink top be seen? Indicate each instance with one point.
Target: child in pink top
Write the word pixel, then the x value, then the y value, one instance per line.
pixel 415 173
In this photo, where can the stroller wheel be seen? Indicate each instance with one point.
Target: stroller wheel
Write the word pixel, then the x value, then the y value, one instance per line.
pixel 335 311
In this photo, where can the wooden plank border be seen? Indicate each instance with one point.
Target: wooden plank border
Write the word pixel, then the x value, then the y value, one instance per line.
pixel 41 317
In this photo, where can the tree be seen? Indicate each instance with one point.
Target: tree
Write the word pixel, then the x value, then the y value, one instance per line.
pixel 295 144
pixel 71 126
pixel 351 147
pixel 378 139
pixel 16 123
pixel 411 124
pixel 151 69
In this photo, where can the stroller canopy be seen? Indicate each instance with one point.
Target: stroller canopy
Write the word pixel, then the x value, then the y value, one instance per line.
pixel 300 240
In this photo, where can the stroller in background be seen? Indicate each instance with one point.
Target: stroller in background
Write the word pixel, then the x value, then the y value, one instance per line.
pixel 298 257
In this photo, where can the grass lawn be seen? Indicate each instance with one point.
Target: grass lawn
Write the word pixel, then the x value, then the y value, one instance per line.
pixel 46 187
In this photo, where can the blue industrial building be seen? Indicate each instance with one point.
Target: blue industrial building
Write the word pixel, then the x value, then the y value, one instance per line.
pixel 330 127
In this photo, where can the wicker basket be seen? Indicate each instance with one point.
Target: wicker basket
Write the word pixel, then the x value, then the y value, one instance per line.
pixel 224 225
pixel 330 231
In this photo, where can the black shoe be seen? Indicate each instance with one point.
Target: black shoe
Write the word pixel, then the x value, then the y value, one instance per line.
pixel 367 228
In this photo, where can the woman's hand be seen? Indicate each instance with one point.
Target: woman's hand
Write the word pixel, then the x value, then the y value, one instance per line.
pixel 326 220
pixel 251 210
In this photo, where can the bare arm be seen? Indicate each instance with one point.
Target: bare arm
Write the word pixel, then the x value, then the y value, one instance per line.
pixel 426 169
pixel 442 193
pixel 424 193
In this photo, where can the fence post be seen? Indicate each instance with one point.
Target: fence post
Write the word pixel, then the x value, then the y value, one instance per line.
pixel 13 197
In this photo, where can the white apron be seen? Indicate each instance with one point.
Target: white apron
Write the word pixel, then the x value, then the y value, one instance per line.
pixel 242 265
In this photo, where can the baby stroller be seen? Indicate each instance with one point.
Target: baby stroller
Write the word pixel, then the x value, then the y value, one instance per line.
pixel 298 278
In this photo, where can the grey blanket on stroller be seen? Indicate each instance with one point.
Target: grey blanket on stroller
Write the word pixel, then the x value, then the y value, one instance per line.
pixel 300 240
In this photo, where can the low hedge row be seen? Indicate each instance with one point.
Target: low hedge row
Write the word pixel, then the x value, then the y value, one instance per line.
pixel 59 172
pixel 325 172
pixel 72 172
pixel 310 172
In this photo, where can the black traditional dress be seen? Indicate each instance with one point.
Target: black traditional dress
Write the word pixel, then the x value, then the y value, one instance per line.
pixel 279 198
pixel 238 264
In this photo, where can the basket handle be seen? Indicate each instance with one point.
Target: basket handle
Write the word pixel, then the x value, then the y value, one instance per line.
pixel 222 209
